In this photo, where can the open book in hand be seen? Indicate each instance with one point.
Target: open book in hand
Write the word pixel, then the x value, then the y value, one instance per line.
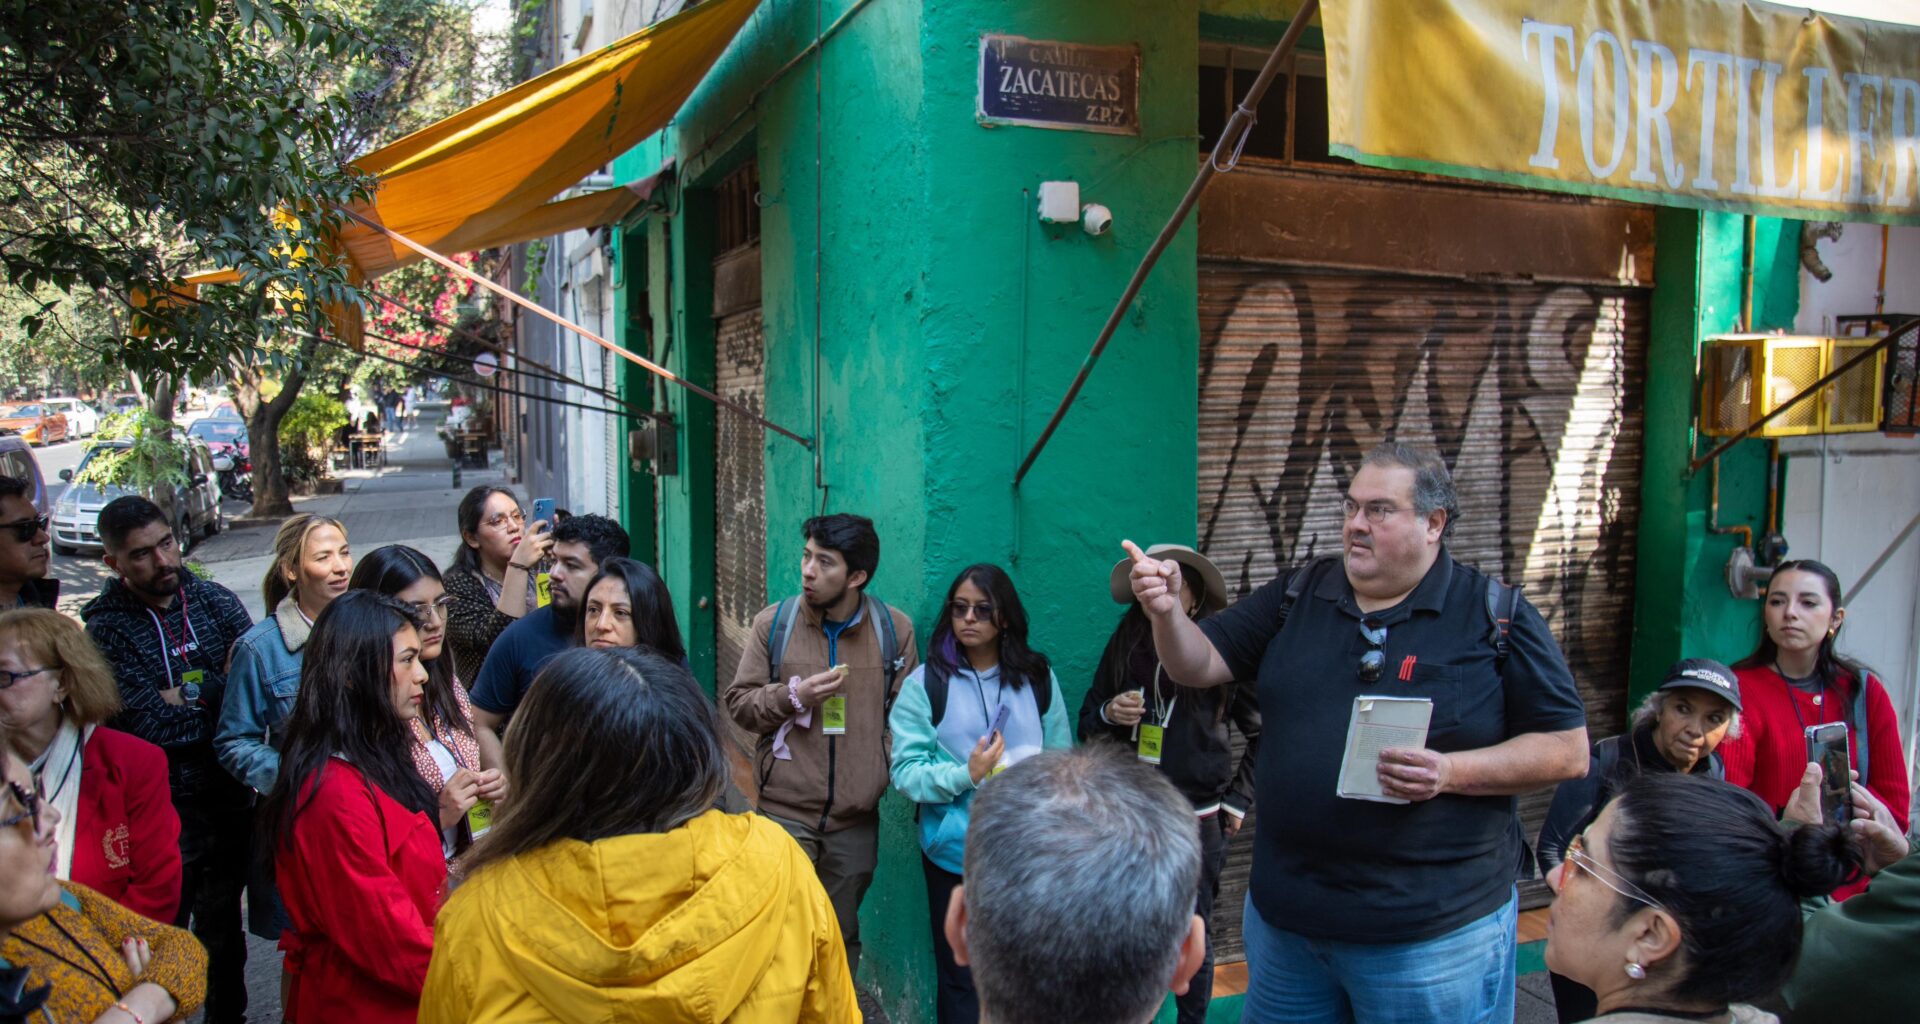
pixel 1376 724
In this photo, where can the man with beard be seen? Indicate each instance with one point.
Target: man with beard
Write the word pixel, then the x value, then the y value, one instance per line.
pixel 167 634
pixel 1399 906
pixel 23 549
pixel 819 707
pixel 580 544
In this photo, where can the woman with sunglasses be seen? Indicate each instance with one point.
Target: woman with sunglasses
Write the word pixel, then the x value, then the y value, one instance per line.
pixel 119 833
pixel 1181 730
pixel 1796 678
pixel 358 855
pixel 491 579
pixel 979 671
pixel 1677 729
pixel 1681 902
pixel 445 750
pixel 627 605
pixel 83 956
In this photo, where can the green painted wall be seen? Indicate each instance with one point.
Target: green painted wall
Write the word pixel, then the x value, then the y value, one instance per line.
pixel 1681 604
pixel 950 325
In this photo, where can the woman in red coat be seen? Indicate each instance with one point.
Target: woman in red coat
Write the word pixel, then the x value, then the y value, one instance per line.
pixel 357 852
pixel 1796 679
pixel 119 834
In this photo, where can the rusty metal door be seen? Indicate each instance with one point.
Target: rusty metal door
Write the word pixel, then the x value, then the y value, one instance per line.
pixel 1531 392
pixel 739 478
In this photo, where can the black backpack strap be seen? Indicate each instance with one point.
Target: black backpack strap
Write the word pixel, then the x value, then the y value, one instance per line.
pixel 1503 603
pixel 936 696
pixel 1043 694
pixel 779 631
pixel 1297 584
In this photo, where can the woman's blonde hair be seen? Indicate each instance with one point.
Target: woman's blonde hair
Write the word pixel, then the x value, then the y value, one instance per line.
pixel 288 543
pixel 92 695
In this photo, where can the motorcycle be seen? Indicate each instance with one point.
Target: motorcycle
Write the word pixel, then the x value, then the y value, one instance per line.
pixel 235 472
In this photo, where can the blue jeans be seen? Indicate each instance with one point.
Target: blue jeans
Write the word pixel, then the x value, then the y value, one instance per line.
pixel 1463 977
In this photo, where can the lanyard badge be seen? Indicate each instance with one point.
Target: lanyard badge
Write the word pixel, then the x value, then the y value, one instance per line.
pixel 833 715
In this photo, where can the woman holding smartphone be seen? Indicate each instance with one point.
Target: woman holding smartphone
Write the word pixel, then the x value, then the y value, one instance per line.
pixel 1796 680
pixel 491 580
pixel 983 700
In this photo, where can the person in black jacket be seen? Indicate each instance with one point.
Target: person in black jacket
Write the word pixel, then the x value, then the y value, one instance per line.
pixel 1181 730
pixel 1677 730
pixel 167 634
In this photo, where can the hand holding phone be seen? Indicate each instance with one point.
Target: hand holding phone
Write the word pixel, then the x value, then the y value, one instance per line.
pixel 1829 745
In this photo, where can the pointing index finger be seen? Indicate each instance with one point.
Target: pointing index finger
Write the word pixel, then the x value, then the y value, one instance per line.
pixel 1134 552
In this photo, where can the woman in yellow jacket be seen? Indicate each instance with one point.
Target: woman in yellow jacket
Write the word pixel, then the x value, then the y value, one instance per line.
pixel 609 889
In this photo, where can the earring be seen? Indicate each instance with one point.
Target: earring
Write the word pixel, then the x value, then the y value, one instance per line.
pixel 1636 972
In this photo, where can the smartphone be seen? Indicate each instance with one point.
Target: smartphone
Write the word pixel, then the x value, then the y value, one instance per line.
pixel 1829 745
pixel 999 719
pixel 543 510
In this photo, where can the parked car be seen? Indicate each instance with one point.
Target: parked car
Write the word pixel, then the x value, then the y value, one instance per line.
pixel 193 507
pixel 17 461
pixel 82 419
pixel 35 422
pixel 126 403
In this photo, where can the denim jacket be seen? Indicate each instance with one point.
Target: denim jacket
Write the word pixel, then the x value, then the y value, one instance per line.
pixel 261 684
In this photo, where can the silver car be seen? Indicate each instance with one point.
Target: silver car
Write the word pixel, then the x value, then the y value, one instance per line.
pixel 193 507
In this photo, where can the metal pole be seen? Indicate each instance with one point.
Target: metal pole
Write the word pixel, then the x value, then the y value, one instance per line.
pixel 1808 391
pixel 1228 145
pixel 533 307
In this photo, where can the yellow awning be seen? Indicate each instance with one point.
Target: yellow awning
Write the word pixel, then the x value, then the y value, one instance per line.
pixel 1715 104
pixel 485 176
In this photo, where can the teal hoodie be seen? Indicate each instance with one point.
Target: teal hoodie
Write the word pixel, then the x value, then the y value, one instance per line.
pixel 933 774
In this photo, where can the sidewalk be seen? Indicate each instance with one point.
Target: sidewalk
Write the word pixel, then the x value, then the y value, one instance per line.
pixel 410 500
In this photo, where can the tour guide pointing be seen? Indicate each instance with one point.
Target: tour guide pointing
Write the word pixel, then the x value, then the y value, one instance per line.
pixel 1373 911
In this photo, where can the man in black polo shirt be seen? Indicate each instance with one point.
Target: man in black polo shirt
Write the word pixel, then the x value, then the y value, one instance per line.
pixel 1360 910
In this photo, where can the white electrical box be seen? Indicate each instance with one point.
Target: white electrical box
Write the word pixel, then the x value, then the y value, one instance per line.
pixel 1059 202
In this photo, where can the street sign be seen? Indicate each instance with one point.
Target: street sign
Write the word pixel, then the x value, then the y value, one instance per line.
pixel 1068 86
pixel 486 364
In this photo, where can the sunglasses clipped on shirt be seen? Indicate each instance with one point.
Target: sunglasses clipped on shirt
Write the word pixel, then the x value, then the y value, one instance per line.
pixel 1374 661
pixel 24 530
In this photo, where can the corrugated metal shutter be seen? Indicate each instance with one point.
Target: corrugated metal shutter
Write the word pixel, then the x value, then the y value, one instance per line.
pixel 740 505
pixel 1533 394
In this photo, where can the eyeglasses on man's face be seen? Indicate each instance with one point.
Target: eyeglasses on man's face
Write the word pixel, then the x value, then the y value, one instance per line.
pixel 964 610
pixel 24 530
pixel 1377 511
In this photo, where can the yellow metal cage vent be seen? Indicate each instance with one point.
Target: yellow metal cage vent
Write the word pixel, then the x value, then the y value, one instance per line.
pixel 1745 377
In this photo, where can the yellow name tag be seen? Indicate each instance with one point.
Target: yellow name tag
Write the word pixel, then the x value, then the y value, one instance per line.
pixel 833 716
pixel 193 677
pixel 480 818
pixel 542 590
pixel 1151 737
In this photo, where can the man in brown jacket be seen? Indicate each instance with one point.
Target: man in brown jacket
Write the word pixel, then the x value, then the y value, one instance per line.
pixel 815 686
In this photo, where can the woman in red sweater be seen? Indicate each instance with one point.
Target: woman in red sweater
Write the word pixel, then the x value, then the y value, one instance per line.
pixel 357 851
pixel 1796 679
pixel 119 834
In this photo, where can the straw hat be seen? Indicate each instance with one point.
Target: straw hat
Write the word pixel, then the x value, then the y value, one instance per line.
pixel 1120 584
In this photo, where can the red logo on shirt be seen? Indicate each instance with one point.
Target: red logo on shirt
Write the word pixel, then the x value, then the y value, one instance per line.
pixel 118 846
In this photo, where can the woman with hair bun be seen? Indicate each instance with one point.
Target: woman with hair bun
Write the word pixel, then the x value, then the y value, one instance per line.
pixel 1681 902
pixel 1795 678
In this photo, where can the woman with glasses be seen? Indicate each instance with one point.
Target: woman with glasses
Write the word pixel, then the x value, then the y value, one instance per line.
pixel 445 750
pixel 357 851
pixel 491 580
pixel 1681 902
pixel 1181 730
pixel 982 701
pixel 627 605
pixel 76 955
pixel 611 889
pixel 1676 731
pixel 1796 678
pixel 119 833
